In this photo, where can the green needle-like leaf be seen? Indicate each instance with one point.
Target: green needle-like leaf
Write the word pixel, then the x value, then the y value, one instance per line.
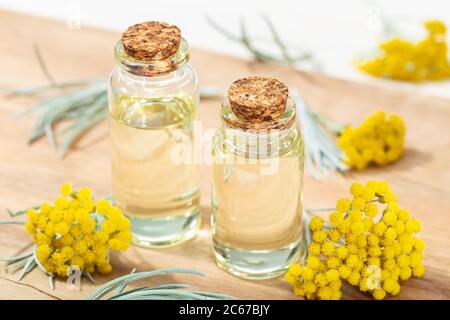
pixel 167 291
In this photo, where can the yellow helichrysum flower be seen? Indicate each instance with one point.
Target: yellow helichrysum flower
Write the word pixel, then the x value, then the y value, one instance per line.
pixel 328 248
pixel 294 272
pixel 84 194
pixel 103 206
pixel 409 61
pixel 336 218
pixel 334 235
pixel 436 27
pixel 378 140
pixel 314 249
pixel 371 254
pixel 66 189
pixel 379 294
pixel 316 224
pixel 43 252
pixel 342 205
pixel 68 233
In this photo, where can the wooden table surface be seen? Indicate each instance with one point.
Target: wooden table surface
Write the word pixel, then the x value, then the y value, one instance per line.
pixel 32 174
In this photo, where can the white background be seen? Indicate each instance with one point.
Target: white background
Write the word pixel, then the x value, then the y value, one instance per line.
pixel 335 31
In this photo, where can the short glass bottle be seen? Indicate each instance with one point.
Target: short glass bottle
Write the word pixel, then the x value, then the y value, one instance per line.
pixel 152 106
pixel 257 194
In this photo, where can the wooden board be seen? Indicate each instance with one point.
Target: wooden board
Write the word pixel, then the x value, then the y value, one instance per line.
pixel 31 174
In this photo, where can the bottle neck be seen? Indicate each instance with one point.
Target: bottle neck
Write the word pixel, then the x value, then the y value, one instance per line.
pixel 152 68
pixel 285 121
pixel 258 140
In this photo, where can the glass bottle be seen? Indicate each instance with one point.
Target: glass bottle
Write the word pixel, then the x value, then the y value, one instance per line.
pixel 257 183
pixel 153 101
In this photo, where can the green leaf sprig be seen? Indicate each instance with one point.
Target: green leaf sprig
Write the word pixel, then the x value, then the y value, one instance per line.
pixel 116 289
pixel 259 55
pixel 78 106
pixel 322 154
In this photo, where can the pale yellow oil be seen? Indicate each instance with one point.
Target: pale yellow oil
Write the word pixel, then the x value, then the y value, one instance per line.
pixel 152 143
pixel 254 211
pixel 257 217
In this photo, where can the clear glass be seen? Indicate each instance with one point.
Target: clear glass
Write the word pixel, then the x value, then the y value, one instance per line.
pixel 257 195
pixel 152 106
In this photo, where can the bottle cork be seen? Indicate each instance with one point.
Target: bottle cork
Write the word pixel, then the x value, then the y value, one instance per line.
pixel 151 40
pixel 257 99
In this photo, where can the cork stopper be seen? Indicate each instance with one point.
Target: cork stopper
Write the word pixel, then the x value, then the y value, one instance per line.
pixel 257 99
pixel 152 40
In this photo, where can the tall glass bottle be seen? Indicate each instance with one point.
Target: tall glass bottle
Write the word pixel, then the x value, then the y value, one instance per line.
pixel 257 181
pixel 153 101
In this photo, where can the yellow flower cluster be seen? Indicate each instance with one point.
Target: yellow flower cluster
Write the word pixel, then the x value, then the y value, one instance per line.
pixel 408 61
pixel 76 233
pixel 378 140
pixel 372 254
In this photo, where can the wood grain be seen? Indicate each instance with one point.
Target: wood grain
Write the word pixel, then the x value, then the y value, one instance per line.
pixel 31 174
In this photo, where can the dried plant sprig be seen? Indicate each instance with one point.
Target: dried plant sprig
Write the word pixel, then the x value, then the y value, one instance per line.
pixel 11 222
pixel 47 74
pixel 115 289
pixel 378 140
pixel 20 212
pixel 81 106
pixel 74 234
pixel 322 154
pixel 405 60
pixel 24 261
pixel 245 40
pixel 368 241
pixel 38 89
pixel 329 124
pixel 84 108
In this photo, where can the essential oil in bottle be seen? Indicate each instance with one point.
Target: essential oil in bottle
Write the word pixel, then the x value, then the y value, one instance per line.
pixel 153 101
pixel 257 181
